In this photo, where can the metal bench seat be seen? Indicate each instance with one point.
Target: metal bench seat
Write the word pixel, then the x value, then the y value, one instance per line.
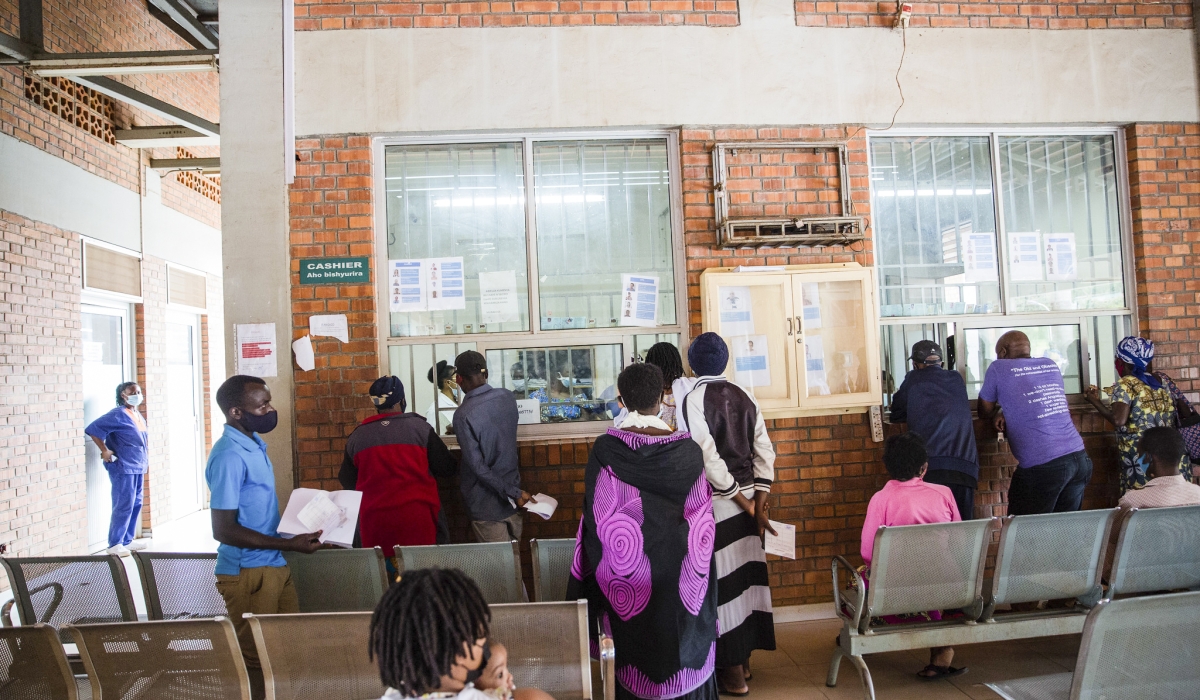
pixel 1158 550
pixel 494 566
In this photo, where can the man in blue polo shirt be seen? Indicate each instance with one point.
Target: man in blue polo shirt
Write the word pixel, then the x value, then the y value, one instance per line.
pixel 252 575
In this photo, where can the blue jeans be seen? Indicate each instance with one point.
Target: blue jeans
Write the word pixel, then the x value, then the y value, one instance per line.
pixel 126 507
pixel 1054 487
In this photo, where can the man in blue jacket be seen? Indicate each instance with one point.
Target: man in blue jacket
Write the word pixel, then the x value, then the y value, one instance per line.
pixel 933 401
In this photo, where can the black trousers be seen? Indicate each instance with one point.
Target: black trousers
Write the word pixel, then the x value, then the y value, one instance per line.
pixel 964 496
pixel 1054 487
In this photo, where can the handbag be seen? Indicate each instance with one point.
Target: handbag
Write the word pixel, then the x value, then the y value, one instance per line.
pixel 1187 420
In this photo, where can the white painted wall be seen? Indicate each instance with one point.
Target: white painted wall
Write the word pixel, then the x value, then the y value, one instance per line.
pixel 175 236
pixel 766 71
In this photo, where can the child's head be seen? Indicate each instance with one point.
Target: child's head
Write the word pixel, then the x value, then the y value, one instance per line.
pixel 641 387
pixel 433 623
pixel 904 456
pixel 1164 449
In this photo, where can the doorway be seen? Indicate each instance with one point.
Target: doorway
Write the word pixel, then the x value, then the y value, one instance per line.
pixel 107 361
pixel 185 414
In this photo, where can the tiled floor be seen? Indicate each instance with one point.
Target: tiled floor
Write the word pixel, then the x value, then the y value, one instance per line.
pixel 796 669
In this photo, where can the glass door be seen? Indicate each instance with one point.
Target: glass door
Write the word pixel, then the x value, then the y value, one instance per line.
pixel 107 362
pixel 185 415
pixel 839 327
pixel 754 314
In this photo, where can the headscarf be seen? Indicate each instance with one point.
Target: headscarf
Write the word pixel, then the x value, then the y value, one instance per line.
pixel 1137 353
pixel 386 392
pixel 708 355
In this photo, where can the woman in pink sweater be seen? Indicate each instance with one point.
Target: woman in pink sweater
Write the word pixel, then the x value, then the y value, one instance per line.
pixel 907 500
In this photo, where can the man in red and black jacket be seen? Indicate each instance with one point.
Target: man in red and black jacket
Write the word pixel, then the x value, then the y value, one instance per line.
pixel 393 457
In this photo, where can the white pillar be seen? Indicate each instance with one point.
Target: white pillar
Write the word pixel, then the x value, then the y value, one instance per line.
pixel 254 200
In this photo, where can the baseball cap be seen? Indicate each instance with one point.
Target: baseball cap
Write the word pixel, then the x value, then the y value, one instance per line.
pixel 926 352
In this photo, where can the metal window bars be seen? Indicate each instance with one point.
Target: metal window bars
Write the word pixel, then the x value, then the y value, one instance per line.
pixel 789 231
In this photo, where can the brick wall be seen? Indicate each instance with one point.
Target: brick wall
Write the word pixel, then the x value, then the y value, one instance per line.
pixel 42 479
pixel 105 25
pixel 366 14
pixel 1089 14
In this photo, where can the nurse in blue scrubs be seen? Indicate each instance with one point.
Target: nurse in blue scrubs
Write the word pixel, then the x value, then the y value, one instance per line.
pixel 122 438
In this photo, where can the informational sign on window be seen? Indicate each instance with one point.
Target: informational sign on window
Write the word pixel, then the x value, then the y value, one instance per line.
pixel 255 349
pixel 979 257
pixel 639 300
pixel 1025 257
pixel 426 284
pixel 447 286
pixel 1060 256
pixel 498 300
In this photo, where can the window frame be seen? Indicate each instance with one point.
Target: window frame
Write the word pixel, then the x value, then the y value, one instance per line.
pixel 957 323
pixel 535 337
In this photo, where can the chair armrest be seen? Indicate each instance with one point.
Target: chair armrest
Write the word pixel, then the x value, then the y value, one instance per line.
pixel 840 561
pixel 6 613
pixel 608 667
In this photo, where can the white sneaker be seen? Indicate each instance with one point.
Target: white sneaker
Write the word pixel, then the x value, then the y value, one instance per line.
pixel 138 545
pixel 119 550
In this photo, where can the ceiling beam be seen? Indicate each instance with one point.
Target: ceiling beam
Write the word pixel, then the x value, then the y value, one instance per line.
pixel 204 165
pixel 30 14
pixel 186 23
pixel 163 137
pixel 128 63
pixel 16 49
pixel 146 103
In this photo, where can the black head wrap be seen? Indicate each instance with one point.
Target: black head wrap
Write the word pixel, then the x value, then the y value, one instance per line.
pixel 386 392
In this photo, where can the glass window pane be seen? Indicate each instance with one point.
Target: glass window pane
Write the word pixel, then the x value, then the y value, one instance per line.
pixel 460 201
pixel 603 208
pixel 642 343
pixel 416 367
pixel 896 345
pixel 1062 223
pixel 1104 332
pixel 1058 343
pixel 568 384
pixel 934 226
pixel 835 339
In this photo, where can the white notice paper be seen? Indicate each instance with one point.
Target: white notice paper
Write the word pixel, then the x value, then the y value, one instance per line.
pixel 751 365
pixel 333 325
pixel 255 349
pixel 1060 256
pixel 734 311
pixel 446 284
pixel 305 358
pixel 811 296
pixel 783 544
pixel 1025 257
pixel 309 510
pixel 980 257
pixel 544 507
pixel 406 286
pixel 529 411
pixel 639 300
pixel 498 297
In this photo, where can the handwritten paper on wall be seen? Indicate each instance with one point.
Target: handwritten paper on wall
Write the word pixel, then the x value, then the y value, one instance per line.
pixel 332 325
pixel 255 349
pixel 639 300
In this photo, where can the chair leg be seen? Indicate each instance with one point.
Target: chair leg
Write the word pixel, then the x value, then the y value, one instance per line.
pixel 865 674
pixel 834 665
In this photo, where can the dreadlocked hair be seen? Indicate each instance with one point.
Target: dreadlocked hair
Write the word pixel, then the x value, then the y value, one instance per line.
pixel 666 357
pixel 421 624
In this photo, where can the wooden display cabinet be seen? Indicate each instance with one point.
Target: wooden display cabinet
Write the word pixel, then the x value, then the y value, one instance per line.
pixel 803 339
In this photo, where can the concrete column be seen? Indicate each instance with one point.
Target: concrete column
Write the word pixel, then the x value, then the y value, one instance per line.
pixel 254 200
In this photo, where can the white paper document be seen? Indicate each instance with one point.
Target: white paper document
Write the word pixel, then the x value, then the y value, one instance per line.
pixel 446 284
pixel 406 286
pixel 751 362
pixel 734 311
pixel 332 325
pixel 810 294
pixel 639 300
pixel 980 257
pixel 303 349
pixel 498 297
pixel 545 506
pixel 783 544
pixel 335 513
pixel 1060 256
pixel 255 349
pixel 529 411
pixel 1025 257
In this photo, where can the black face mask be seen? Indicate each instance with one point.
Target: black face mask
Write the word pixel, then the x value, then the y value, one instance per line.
pixel 474 675
pixel 259 424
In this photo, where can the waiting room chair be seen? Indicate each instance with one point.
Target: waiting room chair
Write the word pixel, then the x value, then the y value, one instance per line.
pixel 33 666
pixel 1158 550
pixel 316 656
pixel 1054 556
pixel 338 580
pixel 548 648
pixel 163 660
pixel 1136 648
pixel 551 568
pixel 69 590
pixel 495 566
pixel 179 585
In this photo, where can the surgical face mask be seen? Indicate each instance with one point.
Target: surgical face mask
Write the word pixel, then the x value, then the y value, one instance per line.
pixel 473 675
pixel 133 400
pixel 260 424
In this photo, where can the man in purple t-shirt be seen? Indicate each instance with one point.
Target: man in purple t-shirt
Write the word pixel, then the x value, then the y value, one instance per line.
pixel 1052 467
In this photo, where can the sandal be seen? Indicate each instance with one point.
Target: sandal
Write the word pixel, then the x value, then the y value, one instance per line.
pixel 746 669
pixel 940 672
pixel 722 690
